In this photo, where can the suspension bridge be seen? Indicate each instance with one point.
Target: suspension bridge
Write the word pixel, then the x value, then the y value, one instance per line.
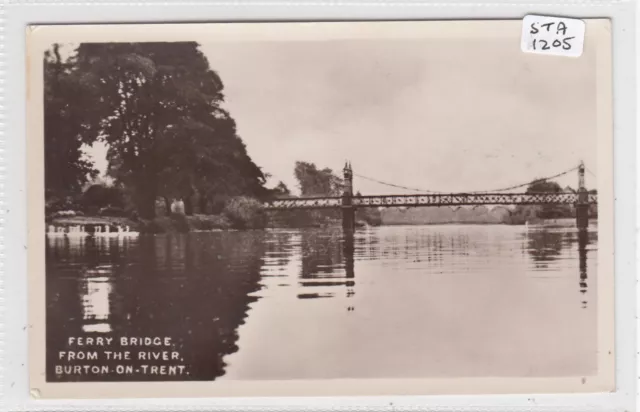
pixel 349 202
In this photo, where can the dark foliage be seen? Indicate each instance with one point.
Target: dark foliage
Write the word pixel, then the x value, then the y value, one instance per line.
pixel 67 120
pixel 100 196
pixel 550 211
pixel 158 108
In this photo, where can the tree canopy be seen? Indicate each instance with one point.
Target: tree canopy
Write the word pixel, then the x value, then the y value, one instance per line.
pixel 544 186
pixel 67 120
pixel 550 211
pixel 157 106
pixel 317 182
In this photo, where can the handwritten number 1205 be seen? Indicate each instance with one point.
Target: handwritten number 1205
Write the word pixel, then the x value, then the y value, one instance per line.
pixel 544 45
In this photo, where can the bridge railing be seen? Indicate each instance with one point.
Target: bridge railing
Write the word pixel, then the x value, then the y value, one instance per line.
pixel 304 203
pixel 453 199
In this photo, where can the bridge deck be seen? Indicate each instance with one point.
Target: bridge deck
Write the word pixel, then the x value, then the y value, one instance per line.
pixel 454 199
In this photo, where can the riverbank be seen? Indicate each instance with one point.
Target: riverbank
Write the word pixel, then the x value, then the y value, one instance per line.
pixel 197 223
pixel 178 223
pixel 90 221
pixel 162 224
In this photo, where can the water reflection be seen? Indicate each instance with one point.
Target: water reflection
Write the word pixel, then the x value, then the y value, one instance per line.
pixel 226 299
pixel 546 246
pixel 96 293
pixel 583 242
pixel 193 289
pixel 327 262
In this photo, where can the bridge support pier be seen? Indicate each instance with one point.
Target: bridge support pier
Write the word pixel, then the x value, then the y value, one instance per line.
pixel 348 210
pixel 582 205
pixel 582 216
pixel 348 218
pixel 348 248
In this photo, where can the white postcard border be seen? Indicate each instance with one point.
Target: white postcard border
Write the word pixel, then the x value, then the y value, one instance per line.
pixel 40 38
pixel 16 325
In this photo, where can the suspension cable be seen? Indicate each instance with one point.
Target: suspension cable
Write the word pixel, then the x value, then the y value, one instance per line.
pixel 394 185
pixel 475 191
pixel 528 183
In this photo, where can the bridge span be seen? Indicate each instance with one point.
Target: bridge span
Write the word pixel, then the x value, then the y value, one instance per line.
pixel 348 202
pixel 454 199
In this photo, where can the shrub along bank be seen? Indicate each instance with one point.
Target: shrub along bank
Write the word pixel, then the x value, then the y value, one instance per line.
pixel 238 213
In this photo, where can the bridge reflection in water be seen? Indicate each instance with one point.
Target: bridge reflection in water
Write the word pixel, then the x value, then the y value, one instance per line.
pixel 227 299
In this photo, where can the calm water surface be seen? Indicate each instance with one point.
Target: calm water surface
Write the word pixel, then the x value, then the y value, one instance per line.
pixel 394 301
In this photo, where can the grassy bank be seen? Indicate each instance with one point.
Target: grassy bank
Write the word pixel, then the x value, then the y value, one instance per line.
pixel 238 213
pixel 182 224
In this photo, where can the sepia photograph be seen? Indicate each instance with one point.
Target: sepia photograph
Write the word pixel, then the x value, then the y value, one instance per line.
pixel 347 208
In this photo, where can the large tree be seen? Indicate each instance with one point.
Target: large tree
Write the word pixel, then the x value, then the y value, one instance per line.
pixel 543 186
pixel 163 122
pixel 317 182
pixel 525 213
pixel 67 118
pixel 213 162
pixel 551 211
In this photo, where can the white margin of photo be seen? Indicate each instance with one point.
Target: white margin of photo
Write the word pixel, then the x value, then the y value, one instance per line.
pixel 17 15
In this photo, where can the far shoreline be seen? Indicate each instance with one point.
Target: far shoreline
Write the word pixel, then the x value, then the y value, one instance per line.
pixel 213 223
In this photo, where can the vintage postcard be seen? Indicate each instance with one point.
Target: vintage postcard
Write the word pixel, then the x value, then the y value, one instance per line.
pixel 318 209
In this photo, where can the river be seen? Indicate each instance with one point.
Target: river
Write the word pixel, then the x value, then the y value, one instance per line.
pixel 385 302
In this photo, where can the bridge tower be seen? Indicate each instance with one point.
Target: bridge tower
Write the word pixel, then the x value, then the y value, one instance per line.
pixel 582 205
pixel 348 210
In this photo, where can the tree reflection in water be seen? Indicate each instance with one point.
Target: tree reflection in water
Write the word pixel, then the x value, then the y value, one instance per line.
pixel 327 262
pixel 198 288
pixel 545 245
pixel 194 289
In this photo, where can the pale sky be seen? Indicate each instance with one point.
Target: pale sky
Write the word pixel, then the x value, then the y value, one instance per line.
pixel 444 115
